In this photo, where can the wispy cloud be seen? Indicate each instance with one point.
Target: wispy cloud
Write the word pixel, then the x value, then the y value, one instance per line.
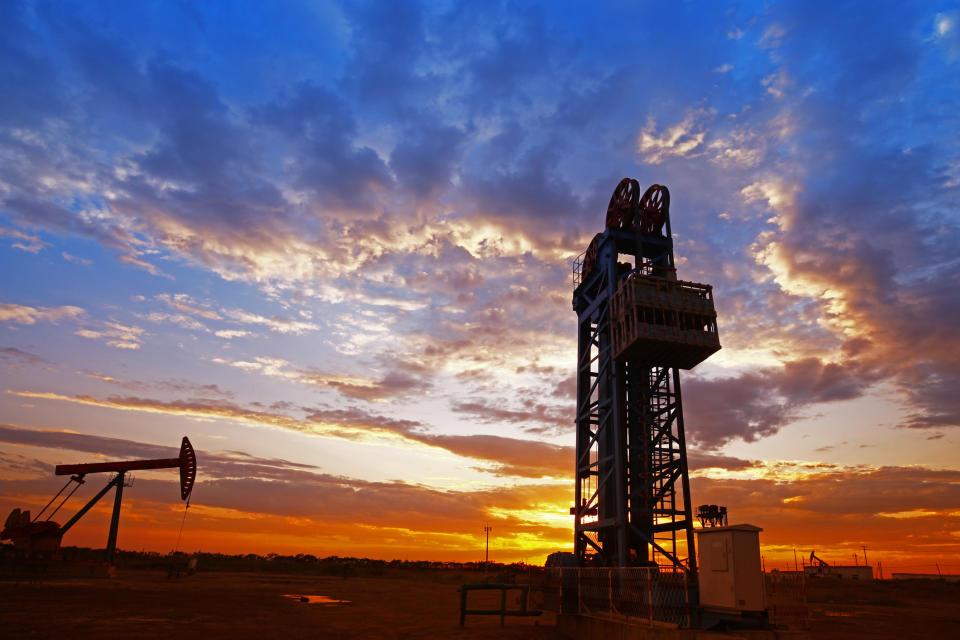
pixel 76 259
pixel 510 456
pixel 115 334
pixel 26 315
pixel 24 241
pixel 682 140
pixel 277 324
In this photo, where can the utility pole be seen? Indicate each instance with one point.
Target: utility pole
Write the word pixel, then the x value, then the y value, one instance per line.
pixel 795 567
pixel 864 547
pixel 487 530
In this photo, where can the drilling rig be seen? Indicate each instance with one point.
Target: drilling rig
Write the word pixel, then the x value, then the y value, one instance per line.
pixel 638 325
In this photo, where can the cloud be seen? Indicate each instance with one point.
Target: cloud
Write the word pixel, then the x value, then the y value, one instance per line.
pixel 178 319
pixel 837 510
pixel 142 264
pixel 229 464
pixel 755 405
pixel 681 140
pixel 16 358
pixel 115 334
pixel 699 460
pixel 30 243
pixel 230 334
pixel 352 386
pixel 947 30
pixel 75 259
pixel 320 126
pixel 536 418
pixel 184 303
pixel 508 456
pixel 22 314
pixel 277 324
pixel 425 162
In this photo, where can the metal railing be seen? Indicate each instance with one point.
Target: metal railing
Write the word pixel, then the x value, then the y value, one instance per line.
pixel 503 611
pixel 576 265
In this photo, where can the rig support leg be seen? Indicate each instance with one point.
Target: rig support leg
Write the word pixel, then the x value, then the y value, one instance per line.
pixel 115 519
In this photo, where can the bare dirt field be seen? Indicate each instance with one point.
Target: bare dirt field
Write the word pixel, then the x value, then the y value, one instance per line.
pixel 842 609
pixel 145 604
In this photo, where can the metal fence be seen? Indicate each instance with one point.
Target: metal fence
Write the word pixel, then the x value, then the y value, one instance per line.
pixel 647 595
pixel 787 600
pixel 636 594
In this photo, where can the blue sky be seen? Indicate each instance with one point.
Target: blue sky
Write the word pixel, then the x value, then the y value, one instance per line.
pixel 334 239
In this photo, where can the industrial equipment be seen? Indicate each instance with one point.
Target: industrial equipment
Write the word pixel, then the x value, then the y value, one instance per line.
pixel 819 568
pixel 638 325
pixel 711 515
pixel 815 561
pixel 43 536
pixel 731 573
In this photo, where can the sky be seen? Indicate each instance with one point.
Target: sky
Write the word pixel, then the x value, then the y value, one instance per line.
pixel 331 243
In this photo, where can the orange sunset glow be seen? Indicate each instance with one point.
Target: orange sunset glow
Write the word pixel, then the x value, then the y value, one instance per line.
pixel 332 244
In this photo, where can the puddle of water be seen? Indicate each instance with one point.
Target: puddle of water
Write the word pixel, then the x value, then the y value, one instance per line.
pixel 315 599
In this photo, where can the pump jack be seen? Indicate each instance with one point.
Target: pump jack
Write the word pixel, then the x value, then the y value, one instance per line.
pixel 36 536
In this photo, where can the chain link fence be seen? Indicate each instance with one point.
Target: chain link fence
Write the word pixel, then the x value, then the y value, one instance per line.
pixel 636 594
pixel 647 595
pixel 787 600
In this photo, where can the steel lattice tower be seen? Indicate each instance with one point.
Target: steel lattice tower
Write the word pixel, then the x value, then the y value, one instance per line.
pixel 637 326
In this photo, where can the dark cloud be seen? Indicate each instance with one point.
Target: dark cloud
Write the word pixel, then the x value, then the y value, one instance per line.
pixel 84 443
pixel 386 44
pixel 896 511
pixel 222 465
pixel 755 405
pixel 321 129
pixel 534 418
pixel 510 456
pixel 520 457
pixel 16 358
pixel 424 161
pixel 533 193
pixel 503 455
pixel 856 492
pixel 701 460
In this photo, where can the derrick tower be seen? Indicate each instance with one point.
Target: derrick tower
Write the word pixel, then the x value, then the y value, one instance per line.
pixel 638 326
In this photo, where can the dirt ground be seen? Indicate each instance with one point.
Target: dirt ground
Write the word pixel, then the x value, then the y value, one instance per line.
pixel 841 609
pixel 145 604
